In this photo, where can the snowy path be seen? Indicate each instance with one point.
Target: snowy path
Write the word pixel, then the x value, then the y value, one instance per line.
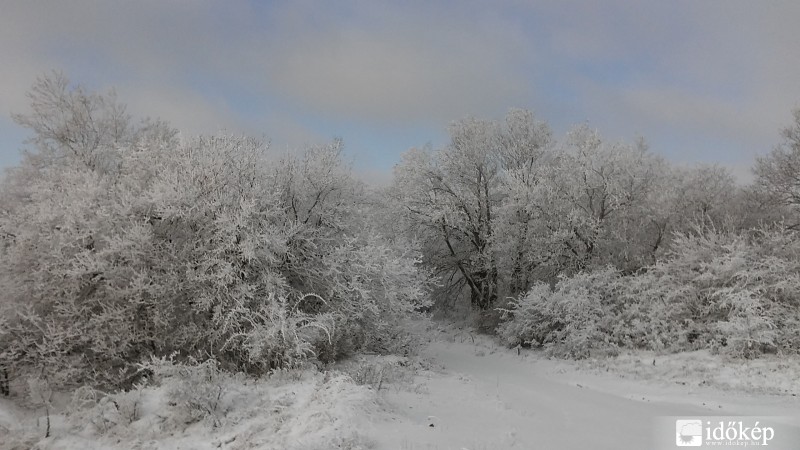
pixel 490 398
pixel 476 396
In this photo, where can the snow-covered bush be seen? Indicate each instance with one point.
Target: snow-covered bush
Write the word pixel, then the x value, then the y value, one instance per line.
pixel 376 371
pixel 102 270
pixel 91 408
pixel 209 247
pixel 372 285
pixel 198 405
pixel 277 336
pixel 737 293
pixel 195 389
pixel 574 319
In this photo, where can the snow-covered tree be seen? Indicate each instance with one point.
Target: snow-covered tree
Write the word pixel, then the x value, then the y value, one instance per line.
pixel 778 174
pixel 450 198
pixel 590 203
pixel 69 122
pixel 206 246
pixel 525 147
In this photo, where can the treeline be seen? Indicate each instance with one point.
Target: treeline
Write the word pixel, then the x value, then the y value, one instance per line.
pixel 121 241
pixel 585 246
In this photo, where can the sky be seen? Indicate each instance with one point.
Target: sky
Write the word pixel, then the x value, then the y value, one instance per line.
pixel 703 81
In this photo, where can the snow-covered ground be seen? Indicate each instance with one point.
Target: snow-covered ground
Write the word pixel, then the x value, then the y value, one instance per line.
pixel 462 392
pixel 487 397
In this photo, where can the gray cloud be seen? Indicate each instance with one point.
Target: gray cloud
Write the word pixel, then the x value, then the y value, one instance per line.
pixel 397 64
pixel 721 70
pixel 359 61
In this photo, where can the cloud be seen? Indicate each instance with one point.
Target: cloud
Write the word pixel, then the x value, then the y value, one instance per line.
pixel 374 177
pixel 718 73
pixel 392 64
pixel 688 111
pixel 372 62
pixel 185 109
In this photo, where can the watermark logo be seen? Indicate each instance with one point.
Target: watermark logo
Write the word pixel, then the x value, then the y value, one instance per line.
pixel 688 433
pixel 722 432
pixel 767 432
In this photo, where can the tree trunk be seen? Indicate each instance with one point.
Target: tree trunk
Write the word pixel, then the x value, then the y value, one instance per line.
pixel 485 294
pixel 5 389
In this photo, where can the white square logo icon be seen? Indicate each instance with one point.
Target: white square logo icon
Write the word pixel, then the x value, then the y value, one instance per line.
pixel 688 433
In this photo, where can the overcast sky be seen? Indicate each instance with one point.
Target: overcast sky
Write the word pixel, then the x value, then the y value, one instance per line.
pixel 702 81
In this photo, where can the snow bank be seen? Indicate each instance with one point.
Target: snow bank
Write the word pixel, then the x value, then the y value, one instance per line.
pixel 463 391
pixel 292 410
pixel 769 374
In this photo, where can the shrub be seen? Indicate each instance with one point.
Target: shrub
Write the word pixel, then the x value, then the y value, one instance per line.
pixel 196 389
pixel 574 319
pixel 207 246
pixel 736 293
pixel 105 411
